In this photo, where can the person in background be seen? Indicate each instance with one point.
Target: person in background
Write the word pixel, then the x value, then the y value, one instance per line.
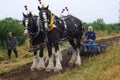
pixel 11 45
pixel 90 35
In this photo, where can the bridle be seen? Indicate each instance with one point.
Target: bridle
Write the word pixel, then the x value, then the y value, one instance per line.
pixel 29 24
pixel 44 18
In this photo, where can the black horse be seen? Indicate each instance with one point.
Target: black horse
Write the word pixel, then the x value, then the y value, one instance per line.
pixel 32 29
pixel 52 38
pixel 70 26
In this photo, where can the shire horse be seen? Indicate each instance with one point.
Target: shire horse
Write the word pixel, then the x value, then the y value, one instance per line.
pixel 36 37
pixel 35 29
pixel 70 26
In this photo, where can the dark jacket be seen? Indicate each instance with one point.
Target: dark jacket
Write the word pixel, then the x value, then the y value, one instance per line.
pixel 11 43
pixel 90 35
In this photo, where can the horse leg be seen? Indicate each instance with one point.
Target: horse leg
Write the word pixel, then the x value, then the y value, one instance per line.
pixel 50 63
pixel 60 55
pixel 78 58
pixel 41 64
pixel 73 58
pixel 47 57
pixel 35 61
pixel 58 65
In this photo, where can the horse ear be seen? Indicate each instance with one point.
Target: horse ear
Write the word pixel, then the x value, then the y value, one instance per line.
pixel 24 15
pixel 47 7
pixel 39 8
pixel 30 14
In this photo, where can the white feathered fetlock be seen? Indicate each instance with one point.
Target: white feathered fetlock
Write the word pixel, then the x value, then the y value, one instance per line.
pixel 78 59
pixel 50 66
pixel 58 65
pixel 72 61
pixel 41 64
pixel 35 63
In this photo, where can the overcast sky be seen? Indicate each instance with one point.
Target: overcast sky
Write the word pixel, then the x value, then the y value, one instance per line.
pixel 86 10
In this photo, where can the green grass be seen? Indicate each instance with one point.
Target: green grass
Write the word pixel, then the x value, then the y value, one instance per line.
pixel 102 67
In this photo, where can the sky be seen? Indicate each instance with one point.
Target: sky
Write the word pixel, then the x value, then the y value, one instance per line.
pixel 86 10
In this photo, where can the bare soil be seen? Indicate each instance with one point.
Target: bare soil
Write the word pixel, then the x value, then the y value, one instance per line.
pixel 24 72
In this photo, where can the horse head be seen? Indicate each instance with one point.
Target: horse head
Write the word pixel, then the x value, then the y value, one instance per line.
pixel 30 23
pixel 45 17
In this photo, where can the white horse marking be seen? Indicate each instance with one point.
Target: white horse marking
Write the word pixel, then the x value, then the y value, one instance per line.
pixel 58 65
pixel 50 64
pixel 45 20
pixel 26 28
pixel 26 22
pixel 73 57
pixel 41 64
pixel 35 63
pixel 78 59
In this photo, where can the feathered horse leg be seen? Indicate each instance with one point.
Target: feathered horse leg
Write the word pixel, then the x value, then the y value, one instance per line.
pixel 41 64
pixel 35 61
pixel 58 65
pixel 50 66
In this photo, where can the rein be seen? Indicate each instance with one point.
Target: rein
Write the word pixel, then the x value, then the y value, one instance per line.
pixel 66 34
pixel 36 47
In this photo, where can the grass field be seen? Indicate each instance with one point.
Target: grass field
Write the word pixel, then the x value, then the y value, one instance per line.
pixel 102 67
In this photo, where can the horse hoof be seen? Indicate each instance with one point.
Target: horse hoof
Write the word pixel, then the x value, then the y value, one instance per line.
pixel 48 70
pixel 71 64
pixel 33 69
pixel 40 69
pixel 77 65
pixel 57 70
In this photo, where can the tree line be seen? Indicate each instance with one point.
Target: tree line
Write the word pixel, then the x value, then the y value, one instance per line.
pixel 100 25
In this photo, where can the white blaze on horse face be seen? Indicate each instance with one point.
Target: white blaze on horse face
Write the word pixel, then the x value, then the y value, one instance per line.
pixel 45 20
pixel 26 22
pixel 26 28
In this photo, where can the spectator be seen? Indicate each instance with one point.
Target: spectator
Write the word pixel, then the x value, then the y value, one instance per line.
pixel 11 44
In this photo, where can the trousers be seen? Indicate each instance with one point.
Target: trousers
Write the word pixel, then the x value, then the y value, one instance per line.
pixel 10 51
